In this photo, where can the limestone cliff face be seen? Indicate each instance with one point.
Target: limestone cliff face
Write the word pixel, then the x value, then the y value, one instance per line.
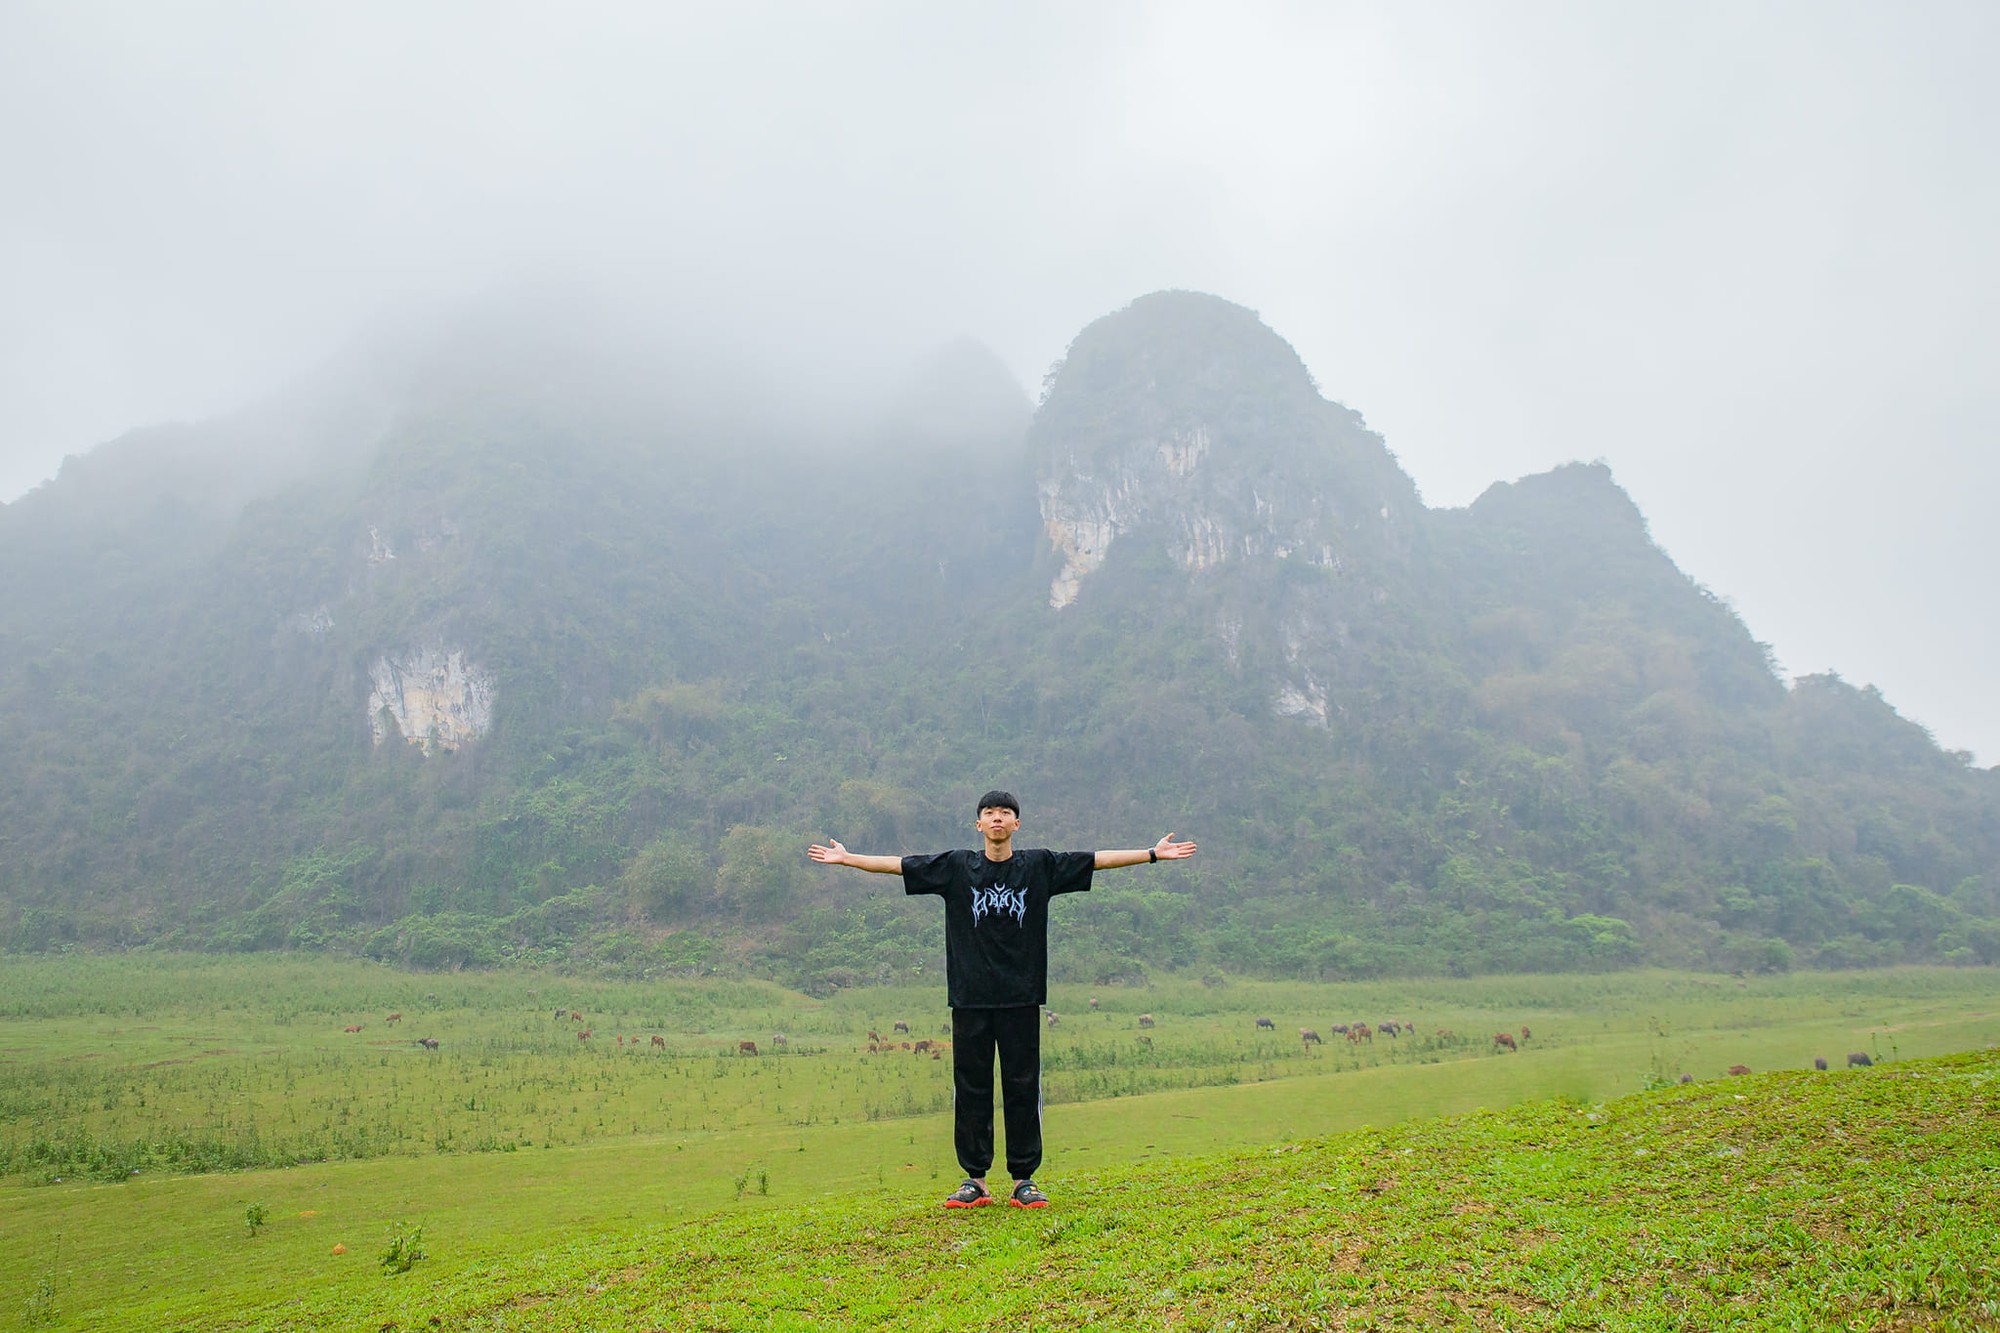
pixel 1183 426
pixel 1183 421
pixel 431 697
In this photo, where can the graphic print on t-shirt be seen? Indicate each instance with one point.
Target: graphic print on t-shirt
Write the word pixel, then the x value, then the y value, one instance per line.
pixel 997 898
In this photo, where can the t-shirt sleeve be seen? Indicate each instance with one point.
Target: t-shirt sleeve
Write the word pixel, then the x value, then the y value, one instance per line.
pixel 1071 872
pixel 930 873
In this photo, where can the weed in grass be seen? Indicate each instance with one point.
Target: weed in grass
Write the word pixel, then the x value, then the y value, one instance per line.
pixel 406 1248
pixel 255 1216
pixel 40 1307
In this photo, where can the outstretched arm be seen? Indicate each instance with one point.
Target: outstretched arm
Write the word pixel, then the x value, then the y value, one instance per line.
pixel 836 855
pixel 1166 849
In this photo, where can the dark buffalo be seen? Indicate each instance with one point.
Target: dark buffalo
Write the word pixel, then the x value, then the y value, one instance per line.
pixel 1858 1058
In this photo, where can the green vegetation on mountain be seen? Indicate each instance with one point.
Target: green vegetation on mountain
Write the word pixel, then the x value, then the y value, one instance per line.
pixel 1512 736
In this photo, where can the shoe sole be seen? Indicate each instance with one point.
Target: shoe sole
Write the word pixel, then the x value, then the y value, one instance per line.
pixel 1039 1203
pixel 976 1203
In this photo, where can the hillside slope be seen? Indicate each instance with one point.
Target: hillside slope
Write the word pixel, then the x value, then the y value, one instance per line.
pixel 530 647
pixel 1855 1200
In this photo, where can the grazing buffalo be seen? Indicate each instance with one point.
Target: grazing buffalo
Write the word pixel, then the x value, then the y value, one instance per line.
pixel 746 1048
pixel 1093 1001
pixel 780 1039
pixel 1524 1032
pixel 1390 1027
pixel 1859 1058
pixel 1505 1039
pixel 1819 1062
pixel 352 1027
pixel 1307 1037
pixel 660 1041
pixel 1739 1070
pixel 1340 1029
pixel 428 1043
pixel 873 1035
pixel 1687 1078
pixel 1054 1019
pixel 1145 1020
pixel 923 1045
pixel 1267 1023
pixel 901 1026
pixel 1362 1032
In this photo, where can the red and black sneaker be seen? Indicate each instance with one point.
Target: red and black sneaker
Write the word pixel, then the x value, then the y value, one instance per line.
pixel 1027 1194
pixel 971 1194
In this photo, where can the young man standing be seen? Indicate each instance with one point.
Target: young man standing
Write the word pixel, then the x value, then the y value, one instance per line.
pixel 996 953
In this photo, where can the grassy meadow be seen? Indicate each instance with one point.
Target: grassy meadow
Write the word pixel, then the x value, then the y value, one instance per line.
pixel 187 1142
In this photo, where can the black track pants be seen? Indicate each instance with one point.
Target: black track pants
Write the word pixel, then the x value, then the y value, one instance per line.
pixel 1017 1033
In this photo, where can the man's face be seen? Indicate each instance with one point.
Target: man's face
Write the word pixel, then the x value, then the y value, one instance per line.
pixel 997 821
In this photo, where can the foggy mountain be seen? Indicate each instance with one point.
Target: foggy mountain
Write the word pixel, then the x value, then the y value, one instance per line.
pixel 540 635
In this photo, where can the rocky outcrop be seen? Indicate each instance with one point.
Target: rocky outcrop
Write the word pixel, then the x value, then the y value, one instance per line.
pixel 1184 417
pixel 431 697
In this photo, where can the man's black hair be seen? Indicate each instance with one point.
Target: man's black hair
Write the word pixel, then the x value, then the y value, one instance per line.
pixel 998 800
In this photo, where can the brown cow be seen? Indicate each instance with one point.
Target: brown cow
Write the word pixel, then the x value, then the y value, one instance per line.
pixel 1093 1001
pixel 583 1035
pixel 352 1027
pixel 393 1018
pixel 428 1043
pixel 1524 1032
pixel 1145 1020
pixel 1739 1069
pixel 1362 1032
pixel 746 1048
pixel 575 1017
pixel 873 1035
pixel 660 1042
pixel 1307 1037
pixel 1859 1058
pixel 1505 1039
pixel 923 1045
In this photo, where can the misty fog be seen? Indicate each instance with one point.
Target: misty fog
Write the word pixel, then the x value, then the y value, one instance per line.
pixel 1740 255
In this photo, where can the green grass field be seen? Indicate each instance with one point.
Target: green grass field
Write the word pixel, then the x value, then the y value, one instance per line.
pixel 567 1183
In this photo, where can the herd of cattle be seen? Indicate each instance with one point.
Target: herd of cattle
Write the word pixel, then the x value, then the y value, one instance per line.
pixel 1357 1034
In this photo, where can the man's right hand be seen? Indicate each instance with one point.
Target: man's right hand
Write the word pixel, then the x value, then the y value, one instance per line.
pixel 833 854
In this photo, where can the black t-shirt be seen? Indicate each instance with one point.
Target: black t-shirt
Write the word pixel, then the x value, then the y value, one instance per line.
pixel 996 919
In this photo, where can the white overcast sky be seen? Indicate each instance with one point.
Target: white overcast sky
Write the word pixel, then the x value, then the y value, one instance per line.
pixel 1744 253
